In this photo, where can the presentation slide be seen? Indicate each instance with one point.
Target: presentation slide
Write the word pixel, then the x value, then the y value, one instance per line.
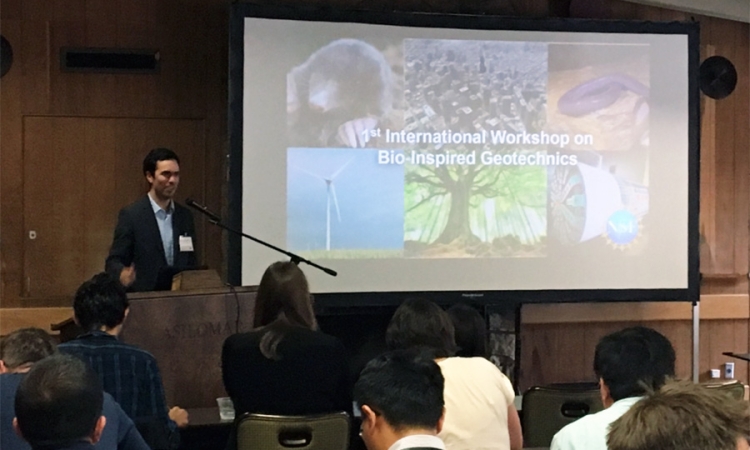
pixel 434 159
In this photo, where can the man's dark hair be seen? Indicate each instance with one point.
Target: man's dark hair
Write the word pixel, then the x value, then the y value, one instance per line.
pixel 634 361
pixel 420 323
pixel 100 301
pixel 156 155
pixel 405 387
pixel 58 402
pixel 26 345
pixel 470 330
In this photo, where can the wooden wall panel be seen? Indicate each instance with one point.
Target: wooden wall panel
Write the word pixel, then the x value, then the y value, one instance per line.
pixel 564 352
pixel 741 96
pixel 34 57
pixel 78 172
pixel 191 36
pixel 11 178
pixel 12 319
pixel 724 160
pixel 11 10
pixel 176 91
pixel 216 191
pixel 54 206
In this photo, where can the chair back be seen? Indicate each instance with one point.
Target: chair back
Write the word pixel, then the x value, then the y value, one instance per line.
pixel 735 389
pixel 268 432
pixel 547 409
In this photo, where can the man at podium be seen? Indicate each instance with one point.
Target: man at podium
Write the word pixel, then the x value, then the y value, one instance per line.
pixel 155 235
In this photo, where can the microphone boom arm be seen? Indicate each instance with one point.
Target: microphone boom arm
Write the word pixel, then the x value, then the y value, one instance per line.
pixel 216 220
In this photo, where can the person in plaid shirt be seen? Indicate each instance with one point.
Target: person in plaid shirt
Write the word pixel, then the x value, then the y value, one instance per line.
pixel 130 374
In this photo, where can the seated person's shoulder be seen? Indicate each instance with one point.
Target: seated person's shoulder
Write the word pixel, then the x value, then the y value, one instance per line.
pixel 326 338
pixel 104 346
pixel 303 337
pixel 241 340
pixel 474 365
pixel 581 434
pixel 137 204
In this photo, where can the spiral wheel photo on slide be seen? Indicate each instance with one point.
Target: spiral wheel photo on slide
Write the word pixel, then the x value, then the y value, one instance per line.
pixel 567 204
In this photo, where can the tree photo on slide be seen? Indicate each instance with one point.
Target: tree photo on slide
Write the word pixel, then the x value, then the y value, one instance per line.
pixel 468 207
pixel 475 210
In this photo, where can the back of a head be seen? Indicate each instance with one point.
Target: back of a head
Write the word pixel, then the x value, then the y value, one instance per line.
pixel 283 294
pixel 633 360
pixel 58 402
pixel 283 301
pixel 422 324
pixel 100 301
pixel 682 416
pixel 26 346
pixel 405 387
pixel 470 330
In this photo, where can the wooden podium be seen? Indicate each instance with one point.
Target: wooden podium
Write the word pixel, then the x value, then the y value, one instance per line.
pixel 185 331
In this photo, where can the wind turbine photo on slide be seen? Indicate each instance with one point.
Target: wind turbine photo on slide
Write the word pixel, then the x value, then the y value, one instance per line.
pixel 330 194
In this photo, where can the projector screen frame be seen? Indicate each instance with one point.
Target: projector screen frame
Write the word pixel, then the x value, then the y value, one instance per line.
pixel 239 11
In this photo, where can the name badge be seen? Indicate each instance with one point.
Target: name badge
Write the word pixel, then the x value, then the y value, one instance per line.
pixel 186 244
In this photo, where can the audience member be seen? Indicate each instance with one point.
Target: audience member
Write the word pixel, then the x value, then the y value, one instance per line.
pixel 683 416
pixel 285 366
pixel 627 364
pixel 59 405
pixel 480 413
pixel 400 395
pixel 19 351
pixel 470 331
pixel 130 374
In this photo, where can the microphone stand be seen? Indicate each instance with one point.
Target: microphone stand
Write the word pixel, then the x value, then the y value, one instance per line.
pixel 295 258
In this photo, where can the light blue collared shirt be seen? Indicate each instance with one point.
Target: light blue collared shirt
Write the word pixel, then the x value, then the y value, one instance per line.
pixel 164 221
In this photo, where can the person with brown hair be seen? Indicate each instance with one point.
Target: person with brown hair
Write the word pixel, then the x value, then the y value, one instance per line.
pixel 479 409
pixel 470 331
pixel 285 365
pixel 683 416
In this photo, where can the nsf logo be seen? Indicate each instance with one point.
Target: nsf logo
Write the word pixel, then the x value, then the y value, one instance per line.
pixel 622 228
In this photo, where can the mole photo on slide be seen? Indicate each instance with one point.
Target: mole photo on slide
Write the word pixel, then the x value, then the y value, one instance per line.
pixel 342 93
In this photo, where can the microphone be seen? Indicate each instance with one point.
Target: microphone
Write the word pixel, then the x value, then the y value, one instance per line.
pixel 211 216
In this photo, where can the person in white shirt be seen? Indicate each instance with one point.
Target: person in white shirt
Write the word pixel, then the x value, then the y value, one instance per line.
pixel 683 416
pixel 400 396
pixel 628 363
pixel 480 413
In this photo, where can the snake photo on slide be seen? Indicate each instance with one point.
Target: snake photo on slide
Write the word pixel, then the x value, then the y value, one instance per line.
pixel 599 93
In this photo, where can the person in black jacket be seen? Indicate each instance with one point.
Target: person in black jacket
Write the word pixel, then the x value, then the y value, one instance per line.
pixel 155 232
pixel 285 366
